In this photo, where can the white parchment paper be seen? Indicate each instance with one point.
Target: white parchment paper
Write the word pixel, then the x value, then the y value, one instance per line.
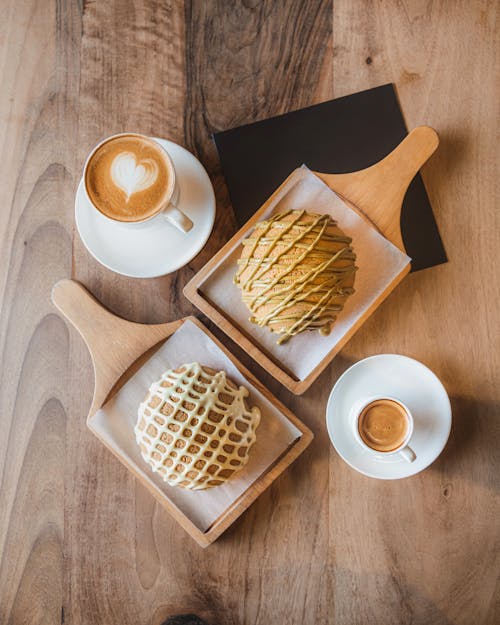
pixel 378 261
pixel 115 421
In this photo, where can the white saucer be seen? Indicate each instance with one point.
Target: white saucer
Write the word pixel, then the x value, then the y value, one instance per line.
pixel 155 247
pixel 402 378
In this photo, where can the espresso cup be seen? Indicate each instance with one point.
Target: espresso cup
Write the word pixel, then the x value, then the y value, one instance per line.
pixel 383 427
pixel 131 179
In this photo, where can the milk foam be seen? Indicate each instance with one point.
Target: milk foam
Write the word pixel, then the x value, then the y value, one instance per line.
pixel 132 176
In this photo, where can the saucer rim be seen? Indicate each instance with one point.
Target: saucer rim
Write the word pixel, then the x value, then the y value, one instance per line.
pixel 175 267
pixel 448 417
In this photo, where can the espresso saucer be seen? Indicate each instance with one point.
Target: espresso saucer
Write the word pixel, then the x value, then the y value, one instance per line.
pixel 414 385
pixel 153 248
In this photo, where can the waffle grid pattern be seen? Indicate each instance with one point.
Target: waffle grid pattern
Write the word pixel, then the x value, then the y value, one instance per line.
pixel 194 427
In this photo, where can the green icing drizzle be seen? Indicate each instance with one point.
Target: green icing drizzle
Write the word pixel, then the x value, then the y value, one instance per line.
pixel 323 282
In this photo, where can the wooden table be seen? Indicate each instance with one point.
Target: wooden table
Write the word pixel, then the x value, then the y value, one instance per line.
pixel 80 541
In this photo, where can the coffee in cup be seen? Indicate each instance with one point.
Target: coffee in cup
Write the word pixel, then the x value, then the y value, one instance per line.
pixel 130 178
pixel 384 425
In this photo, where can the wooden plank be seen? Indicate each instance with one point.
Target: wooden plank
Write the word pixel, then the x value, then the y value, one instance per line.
pixel 132 78
pixel 38 71
pixel 426 549
pixel 247 62
pixel 151 552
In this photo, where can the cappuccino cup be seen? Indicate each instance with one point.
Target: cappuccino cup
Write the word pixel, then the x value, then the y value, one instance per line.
pixel 130 178
pixel 383 427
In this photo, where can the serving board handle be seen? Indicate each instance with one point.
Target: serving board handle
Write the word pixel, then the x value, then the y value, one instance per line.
pixel 378 191
pixel 114 343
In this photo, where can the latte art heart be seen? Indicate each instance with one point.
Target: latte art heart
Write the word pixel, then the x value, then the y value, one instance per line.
pixel 129 178
pixel 132 176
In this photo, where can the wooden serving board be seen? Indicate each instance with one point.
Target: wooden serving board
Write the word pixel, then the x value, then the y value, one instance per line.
pixel 376 194
pixel 118 348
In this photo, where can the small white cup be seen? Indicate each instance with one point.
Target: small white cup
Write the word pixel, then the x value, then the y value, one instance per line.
pixel 404 450
pixel 168 211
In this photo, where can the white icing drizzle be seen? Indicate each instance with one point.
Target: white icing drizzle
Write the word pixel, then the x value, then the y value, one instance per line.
pixel 131 176
pixel 204 439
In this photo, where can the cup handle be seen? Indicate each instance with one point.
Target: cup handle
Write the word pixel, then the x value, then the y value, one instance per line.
pixel 177 218
pixel 408 453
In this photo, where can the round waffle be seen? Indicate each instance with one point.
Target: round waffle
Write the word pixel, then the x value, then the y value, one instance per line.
pixel 194 427
pixel 295 272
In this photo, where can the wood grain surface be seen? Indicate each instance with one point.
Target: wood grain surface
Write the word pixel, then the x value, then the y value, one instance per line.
pixel 80 541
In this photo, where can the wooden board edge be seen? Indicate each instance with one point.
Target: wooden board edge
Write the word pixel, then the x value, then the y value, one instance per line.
pixel 259 486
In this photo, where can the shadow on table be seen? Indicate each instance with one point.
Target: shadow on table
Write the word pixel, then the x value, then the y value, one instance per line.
pixel 474 441
pixel 184 619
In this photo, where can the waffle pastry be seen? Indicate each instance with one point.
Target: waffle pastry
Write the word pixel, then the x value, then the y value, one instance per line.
pixel 194 427
pixel 295 273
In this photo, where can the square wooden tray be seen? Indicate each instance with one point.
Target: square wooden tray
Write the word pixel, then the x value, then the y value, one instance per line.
pixel 117 347
pixel 309 353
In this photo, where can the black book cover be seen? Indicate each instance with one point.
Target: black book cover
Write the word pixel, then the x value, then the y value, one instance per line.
pixel 338 136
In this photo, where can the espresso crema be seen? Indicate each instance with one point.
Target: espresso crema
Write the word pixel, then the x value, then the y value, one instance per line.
pixel 383 425
pixel 129 178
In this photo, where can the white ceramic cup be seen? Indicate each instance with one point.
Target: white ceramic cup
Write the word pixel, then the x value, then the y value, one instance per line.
pixel 169 210
pixel 404 450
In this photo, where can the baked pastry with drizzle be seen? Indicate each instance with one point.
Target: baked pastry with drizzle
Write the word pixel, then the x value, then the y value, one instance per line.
pixel 295 273
pixel 194 427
